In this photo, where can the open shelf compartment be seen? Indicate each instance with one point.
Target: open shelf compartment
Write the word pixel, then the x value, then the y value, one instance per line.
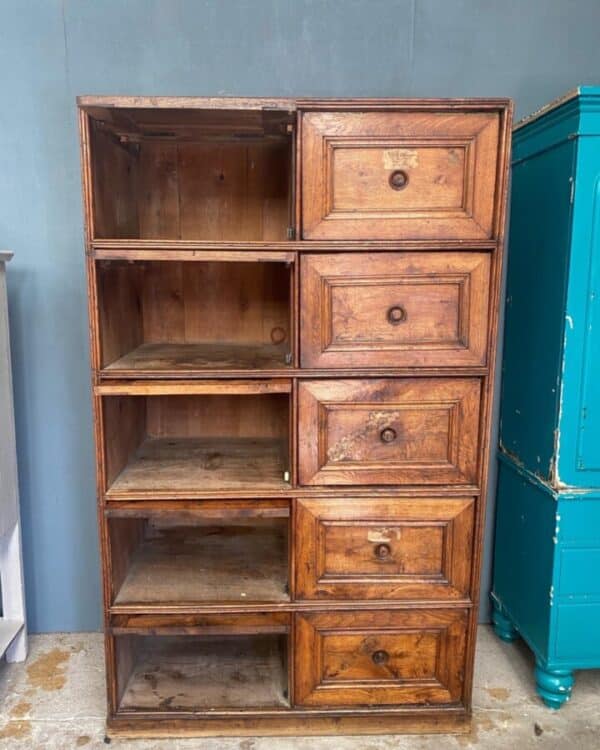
pixel 159 318
pixel 196 174
pixel 196 440
pixel 212 553
pixel 196 673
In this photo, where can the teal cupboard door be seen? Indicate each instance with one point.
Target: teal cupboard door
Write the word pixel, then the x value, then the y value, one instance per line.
pixel 538 263
pixel 588 453
pixel 579 424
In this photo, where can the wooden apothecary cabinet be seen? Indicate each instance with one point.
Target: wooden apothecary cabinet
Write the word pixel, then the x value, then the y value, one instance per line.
pixel 293 311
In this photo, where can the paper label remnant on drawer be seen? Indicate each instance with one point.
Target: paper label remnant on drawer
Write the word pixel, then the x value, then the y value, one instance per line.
pixel 383 534
pixel 400 158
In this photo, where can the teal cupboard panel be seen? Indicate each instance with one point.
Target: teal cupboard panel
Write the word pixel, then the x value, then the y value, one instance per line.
pixel 579 422
pixel 577 644
pixel 577 574
pixel 538 258
pixel 524 554
pixel 579 518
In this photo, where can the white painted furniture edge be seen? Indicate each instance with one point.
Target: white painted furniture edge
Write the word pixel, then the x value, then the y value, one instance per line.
pixel 13 629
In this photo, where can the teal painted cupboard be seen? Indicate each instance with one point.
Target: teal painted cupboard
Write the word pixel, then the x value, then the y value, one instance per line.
pixel 546 584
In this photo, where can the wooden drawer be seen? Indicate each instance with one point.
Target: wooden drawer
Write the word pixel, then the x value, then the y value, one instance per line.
pixel 383 548
pixel 394 309
pixel 379 658
pixel 388 431
pixel 399 175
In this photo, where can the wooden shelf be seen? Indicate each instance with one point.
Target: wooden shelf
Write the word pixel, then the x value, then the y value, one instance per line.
pixel 186 250
pixel 187 359
pixel 209 564
pixel 200 387
pixel 262 251
pixel 201 464
pixel 187 674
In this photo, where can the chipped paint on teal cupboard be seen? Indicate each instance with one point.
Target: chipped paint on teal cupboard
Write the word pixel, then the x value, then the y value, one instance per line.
pixel 546 584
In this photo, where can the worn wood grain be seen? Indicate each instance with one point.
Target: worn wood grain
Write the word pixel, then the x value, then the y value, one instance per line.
pixel 366 658
pixel 190 359
pixel 177 563
pixel 297 722
pixel 394 309
pixel 389 431
pixel 206 178
pixel 191 464
pixel 383 548
pixel 190 251
pixel 187 674
pixel 447 161
pixel 191 442
pixel 204 509
pixel 114 187
pixel 145 249
pixel 194 316
pixel 185 623
pixel 205 387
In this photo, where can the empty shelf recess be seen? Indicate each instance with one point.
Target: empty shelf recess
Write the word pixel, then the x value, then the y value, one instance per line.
pixel 156 316
pixel 204 464
pixel 149 359
pixel 189 673
pixel 188 564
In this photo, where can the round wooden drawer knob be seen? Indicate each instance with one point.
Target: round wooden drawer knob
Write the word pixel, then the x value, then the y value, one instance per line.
pixel 396 314
pixel 383 551
pixel 398 179
pixel 380 657
pixel 278 335
pixel 388 435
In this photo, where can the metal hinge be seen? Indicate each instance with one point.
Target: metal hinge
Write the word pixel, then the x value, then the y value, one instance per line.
pixel 291 233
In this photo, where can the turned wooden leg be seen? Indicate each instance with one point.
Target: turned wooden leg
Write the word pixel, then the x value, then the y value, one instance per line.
pixel 554 686
pixel 502 625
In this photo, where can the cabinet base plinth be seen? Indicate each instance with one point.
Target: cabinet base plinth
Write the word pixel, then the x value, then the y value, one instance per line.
pixel 296 723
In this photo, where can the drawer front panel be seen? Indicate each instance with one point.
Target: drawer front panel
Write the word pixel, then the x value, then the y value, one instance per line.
pixel 389 431
pixel 379 658
pixel 398 175
pixel 394 309
pixel 350 548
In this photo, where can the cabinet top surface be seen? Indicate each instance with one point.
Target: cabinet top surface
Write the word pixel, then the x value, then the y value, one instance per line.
pixel 258 103
pixel 576 97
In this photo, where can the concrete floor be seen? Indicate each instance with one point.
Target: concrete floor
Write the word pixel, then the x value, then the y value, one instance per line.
pixel 56 700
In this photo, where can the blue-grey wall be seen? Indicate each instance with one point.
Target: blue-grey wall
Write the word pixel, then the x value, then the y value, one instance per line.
pixel 52 50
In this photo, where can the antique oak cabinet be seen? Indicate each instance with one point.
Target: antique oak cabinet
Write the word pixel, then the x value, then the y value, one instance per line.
pixel 293 309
